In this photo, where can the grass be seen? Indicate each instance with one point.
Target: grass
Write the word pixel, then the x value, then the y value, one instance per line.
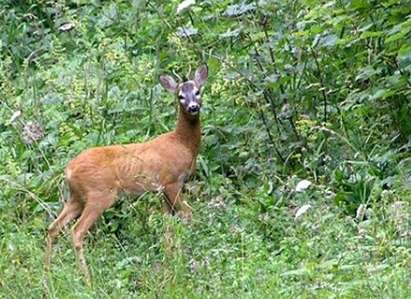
pixel 221 254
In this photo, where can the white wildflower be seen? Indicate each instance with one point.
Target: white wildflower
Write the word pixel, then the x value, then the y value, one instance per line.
pixel 15 116
pixel 302 185
pixel 186 31
pixel 183 6
pixel 66 27
pixel 301 211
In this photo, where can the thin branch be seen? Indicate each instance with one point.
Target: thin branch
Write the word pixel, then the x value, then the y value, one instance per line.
pixel 270 137
pixel 320 75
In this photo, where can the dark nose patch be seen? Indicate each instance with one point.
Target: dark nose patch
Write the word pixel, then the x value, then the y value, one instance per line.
pixel 193 107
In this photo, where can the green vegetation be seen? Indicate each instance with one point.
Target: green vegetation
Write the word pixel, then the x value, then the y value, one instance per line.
pixel 298 90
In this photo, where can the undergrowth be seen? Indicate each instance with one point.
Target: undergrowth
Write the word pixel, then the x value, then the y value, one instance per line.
pixel 303 182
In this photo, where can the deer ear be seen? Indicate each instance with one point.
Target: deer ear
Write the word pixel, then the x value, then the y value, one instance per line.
pixel 168 83
pixel 201 75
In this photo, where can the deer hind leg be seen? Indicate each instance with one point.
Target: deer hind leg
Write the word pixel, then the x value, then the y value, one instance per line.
pixel 72 209
pixel 175 202
pixel 95 206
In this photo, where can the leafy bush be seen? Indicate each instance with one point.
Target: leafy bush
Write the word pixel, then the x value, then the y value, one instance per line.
pixel 298 90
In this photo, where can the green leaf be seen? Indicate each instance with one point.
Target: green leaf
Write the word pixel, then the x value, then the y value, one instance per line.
pixel 328 40
pixel 395 37
pixel 366 73
pixel 404 56
pixel 232 33
pixel 368 34
pixel 357 4
pixel 236 10
pixel 382 94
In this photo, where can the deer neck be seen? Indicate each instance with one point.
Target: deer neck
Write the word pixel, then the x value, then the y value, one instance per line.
pixel 188 130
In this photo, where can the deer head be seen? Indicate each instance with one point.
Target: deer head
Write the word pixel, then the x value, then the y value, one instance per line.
pixel 188 92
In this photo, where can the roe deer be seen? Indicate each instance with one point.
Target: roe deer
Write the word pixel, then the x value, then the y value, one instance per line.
pixel 97 175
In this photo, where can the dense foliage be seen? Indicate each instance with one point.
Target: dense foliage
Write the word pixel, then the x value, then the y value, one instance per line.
pixel 299 92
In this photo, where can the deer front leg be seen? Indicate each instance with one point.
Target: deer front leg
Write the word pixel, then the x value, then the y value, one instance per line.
pixel 175 202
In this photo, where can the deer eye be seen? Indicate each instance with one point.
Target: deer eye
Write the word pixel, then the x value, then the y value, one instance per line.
pixel 197 93
pixel 181 97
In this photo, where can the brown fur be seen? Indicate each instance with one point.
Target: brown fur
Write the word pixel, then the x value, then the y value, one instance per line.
pixel 98 175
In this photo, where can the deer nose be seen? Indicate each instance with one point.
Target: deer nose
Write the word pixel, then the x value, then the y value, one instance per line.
pixel 193 107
